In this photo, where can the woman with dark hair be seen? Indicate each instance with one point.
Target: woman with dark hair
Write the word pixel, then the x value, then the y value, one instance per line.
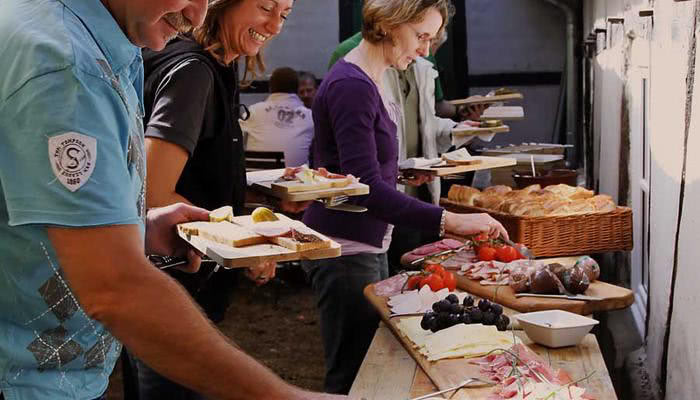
pixel 355 133
pixel 194 144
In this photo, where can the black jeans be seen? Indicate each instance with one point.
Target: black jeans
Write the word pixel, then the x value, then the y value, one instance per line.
pixel 348 320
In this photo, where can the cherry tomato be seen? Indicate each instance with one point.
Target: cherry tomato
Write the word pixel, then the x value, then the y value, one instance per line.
pixel 486 253
pixel 434 281
pixel 449 280
pixel 413 282
pixel 482 237
pixel 434 268
pixel 506 254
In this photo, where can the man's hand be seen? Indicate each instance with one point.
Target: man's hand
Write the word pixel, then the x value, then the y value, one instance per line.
pixel 262 273
pixel 162 237
pixel 416 179
pixel 471 112
pixel 293 207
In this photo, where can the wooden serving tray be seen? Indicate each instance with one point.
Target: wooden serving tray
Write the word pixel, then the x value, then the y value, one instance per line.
pixel 613 297
pixel 450 372
pixel 471 131
pixel 239 257
pixel 478 99
pixel 281 191
pixel 484 162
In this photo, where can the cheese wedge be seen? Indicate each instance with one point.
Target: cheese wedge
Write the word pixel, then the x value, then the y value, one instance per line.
pixel 223 232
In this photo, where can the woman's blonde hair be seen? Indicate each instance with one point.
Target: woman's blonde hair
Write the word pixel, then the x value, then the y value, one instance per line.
pixel 379 16
pixel 213 36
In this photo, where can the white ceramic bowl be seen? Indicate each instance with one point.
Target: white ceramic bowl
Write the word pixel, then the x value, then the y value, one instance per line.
pixel 555 328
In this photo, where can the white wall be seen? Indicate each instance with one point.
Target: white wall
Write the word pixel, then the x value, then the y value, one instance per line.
pixel 668 69
pixel 308 38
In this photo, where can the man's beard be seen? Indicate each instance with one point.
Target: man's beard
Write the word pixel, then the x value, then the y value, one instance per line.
pixel 179 22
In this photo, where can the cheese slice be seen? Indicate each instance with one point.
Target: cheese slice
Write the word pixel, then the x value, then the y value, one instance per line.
pixel 223 232
pixel 457 341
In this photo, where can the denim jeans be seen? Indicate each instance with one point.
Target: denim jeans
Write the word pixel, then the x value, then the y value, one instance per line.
pixel 348 320
pixel 153 386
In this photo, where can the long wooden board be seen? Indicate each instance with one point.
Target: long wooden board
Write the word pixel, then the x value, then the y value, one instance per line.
pixel 478 99
pixel 389 373
pixel 576 361
pixel 485 162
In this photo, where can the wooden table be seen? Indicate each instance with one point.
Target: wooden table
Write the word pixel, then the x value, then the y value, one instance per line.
pixel 389 373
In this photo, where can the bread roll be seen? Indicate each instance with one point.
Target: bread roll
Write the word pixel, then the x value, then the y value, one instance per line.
pixel 581 207
pixel 498 189
pixel 602 203
pixel 490 201
pixel 532 188
pixel 453 194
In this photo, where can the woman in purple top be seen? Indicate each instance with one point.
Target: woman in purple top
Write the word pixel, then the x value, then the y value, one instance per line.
pixel 356 134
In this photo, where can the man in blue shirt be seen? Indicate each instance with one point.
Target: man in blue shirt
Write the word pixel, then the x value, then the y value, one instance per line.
pixel 73 223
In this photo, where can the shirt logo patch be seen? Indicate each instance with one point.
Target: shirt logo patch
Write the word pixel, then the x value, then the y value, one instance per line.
pixel 72 158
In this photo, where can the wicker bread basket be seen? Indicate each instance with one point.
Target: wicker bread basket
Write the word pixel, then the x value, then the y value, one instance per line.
pixel 556 236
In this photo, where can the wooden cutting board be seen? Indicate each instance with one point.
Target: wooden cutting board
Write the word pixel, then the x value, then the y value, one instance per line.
pixel 484 162
pixel 450 372
pixel 443 373
pixel 488 99
pixel 281 191
pixel 471 131
pixel 246 256
pixel 613 297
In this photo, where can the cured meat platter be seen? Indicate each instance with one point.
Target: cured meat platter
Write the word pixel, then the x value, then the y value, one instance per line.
pixel 449 372
pixel 611 297
pixel 284 184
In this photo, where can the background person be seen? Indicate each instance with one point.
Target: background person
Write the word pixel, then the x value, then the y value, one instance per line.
pixel 281 122
pixel 73 223
pixel 194 144
pixel 307 88
pixel 355 133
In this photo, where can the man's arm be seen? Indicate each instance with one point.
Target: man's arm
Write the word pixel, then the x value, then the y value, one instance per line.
pixel 165 162
pixel 154 317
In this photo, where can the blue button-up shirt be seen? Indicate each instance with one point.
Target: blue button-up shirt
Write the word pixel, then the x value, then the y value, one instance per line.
pixel 71 154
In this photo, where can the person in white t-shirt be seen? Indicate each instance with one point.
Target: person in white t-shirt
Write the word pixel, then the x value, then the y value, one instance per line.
pixel 281 122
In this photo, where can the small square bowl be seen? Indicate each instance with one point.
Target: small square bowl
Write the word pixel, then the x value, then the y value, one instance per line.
pixel 555 328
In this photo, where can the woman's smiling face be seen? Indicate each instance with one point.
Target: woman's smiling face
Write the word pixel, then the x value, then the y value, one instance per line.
pixel 251 23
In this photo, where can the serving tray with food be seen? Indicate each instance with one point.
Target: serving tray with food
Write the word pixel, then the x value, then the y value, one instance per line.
pixel 250 239
pixel 557 220
pixel 454 162
pixel 484 127
pixel 498 96
pixel 303 184
pixel 460 338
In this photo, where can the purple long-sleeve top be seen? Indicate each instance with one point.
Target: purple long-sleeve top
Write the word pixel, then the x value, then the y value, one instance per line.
pixel 354 134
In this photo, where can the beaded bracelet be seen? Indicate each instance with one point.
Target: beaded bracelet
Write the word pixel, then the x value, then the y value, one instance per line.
pixel 443 220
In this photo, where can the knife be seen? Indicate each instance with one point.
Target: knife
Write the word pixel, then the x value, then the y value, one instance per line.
pixel 442 253
pixel 560 296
